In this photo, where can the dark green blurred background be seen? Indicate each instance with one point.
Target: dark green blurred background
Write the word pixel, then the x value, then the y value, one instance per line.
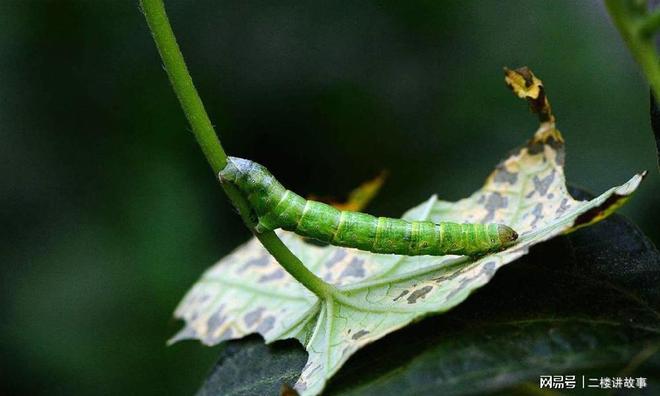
pixel 109 212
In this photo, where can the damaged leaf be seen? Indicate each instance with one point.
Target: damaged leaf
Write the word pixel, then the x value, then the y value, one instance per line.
pixel 582 304
pixel 248 292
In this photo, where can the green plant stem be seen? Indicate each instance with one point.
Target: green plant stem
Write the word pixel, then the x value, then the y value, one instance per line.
pixel 638 27
pixel 651 24
pixel 154 12
pixel 183 85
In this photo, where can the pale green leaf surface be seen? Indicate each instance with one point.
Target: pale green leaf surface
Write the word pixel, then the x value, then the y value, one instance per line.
pixel 248 292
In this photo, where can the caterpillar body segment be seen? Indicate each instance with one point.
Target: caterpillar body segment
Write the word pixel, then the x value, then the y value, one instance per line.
pixel 277 207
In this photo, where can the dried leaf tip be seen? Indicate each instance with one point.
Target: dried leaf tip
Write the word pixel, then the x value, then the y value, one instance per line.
pixel 286 390
pixel 527 86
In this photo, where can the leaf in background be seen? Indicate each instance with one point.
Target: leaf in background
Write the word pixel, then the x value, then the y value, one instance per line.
pixel 248 292
pixel 360 197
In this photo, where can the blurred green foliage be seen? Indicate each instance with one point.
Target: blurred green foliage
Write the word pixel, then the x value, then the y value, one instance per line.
pixel 109 212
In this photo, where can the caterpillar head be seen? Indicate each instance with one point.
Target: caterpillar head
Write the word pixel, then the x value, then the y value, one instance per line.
pixel 507 235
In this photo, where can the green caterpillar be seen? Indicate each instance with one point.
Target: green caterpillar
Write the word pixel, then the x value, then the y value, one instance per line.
pixel 277 207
